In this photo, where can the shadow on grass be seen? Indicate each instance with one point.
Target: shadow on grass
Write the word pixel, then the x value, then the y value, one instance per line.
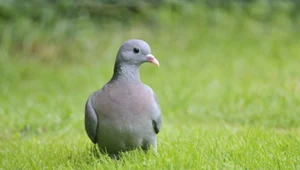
pixel 92 156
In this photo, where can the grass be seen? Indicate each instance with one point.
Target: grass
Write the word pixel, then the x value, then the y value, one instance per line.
pixel 229 93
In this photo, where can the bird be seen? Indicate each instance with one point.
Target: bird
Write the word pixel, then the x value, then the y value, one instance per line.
pixel 125 114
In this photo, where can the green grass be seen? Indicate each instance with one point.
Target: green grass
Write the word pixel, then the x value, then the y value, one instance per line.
pixel 230 93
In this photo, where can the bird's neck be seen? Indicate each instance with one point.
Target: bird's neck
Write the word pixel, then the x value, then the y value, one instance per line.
pixel 126 72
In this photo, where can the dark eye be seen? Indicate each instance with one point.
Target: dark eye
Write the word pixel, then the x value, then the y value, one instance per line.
pixel 136 50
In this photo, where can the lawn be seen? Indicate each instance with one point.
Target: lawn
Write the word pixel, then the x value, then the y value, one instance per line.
pixel 229 92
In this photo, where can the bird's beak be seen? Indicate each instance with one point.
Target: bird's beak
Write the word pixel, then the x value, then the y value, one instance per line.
pixel 152 59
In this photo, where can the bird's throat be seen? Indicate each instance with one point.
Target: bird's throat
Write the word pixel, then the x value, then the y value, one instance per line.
pixel 126 72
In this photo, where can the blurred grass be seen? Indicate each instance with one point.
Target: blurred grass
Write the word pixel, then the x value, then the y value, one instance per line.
pixel 228 86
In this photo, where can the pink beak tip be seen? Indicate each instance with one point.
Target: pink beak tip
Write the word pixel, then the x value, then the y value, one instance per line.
pixel 152 59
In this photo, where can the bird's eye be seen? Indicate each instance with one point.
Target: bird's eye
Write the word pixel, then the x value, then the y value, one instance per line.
pixel 136 50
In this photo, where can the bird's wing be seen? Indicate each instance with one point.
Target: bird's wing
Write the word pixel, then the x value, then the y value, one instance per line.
pixel 157 120
pixel 156 114
pixel 91 120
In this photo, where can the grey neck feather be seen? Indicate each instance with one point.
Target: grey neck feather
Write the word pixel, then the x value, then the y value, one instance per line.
pixel 126 72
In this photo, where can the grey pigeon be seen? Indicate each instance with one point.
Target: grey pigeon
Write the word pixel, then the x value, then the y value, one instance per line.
pixel 124 114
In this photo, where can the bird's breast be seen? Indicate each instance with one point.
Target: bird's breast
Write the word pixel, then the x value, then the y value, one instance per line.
pixel 124 103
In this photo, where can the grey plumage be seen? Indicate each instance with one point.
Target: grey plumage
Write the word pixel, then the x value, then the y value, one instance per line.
pixel 124 114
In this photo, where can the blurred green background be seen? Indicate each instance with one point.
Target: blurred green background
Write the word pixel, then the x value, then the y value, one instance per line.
pixel 225 64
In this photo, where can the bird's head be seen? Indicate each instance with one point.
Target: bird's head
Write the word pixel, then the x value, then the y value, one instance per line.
pixel 136 52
